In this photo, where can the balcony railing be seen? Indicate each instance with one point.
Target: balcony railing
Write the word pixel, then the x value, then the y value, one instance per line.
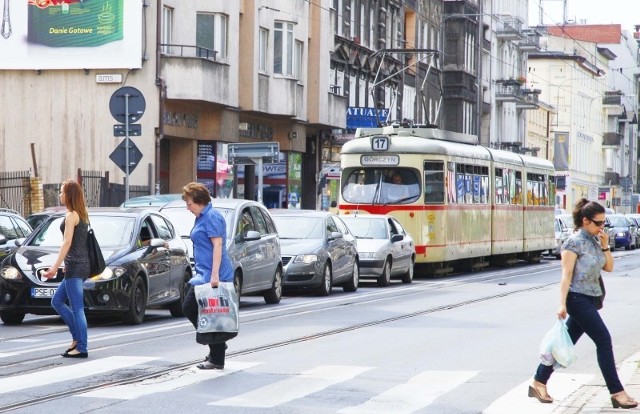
pixel 531 41
pixel 190 51
pixel 510 90
pixel 509 28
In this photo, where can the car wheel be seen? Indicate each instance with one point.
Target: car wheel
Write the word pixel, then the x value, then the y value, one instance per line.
pixel 137 303
pixel 176 307
pixel 352 284
pixel 408 277
pixel 274 294
pixel 325 286
pixel 237 284
pixel 385 278
pixel 12 317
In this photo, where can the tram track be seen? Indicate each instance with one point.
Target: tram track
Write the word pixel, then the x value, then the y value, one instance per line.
pixel 34 401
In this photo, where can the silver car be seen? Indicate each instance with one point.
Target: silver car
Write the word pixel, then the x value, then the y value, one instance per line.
pixel 385 249
pixel 563 229
pixel 252 243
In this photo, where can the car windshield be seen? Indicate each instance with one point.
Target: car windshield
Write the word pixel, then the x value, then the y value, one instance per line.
pixel 366 228
pixel 111 231
pixel 292 227
pixel 619 221
pixel 183 219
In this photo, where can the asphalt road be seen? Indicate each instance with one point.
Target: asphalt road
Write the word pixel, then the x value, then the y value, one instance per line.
pixel 466 343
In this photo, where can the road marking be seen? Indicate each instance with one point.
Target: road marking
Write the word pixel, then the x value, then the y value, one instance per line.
pixel 306 383
pixel 168 382
pixel 69 372
pixel 417 393
pixel 560 386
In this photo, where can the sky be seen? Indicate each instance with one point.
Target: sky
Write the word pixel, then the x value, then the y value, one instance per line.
pixel 624 12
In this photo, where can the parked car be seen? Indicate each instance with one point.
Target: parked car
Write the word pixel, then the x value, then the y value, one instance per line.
pixel 154 200
pixel 147 265
pixel 385 249
pixel 12 228
pixel 623 230
pixel 252 243
pixel 636 219
pixel 563 229
pixel 38 218
pixel 318 251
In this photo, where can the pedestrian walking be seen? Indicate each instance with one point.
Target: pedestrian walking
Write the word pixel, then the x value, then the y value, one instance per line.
pixel 212 263
pixel 584 254
pixel 75 255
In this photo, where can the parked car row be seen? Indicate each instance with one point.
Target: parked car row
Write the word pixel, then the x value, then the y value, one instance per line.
pixel 149 255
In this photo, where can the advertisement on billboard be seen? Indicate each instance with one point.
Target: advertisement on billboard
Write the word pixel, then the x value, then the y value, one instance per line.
pixel 71 34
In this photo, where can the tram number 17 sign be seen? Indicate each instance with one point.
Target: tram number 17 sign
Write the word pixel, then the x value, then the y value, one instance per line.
pixel 379 143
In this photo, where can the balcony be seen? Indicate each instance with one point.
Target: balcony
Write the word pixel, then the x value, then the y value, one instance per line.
pixel 189 72
pixel 530 42
pixel 612 139
pixel 511 90
pixel 509 28
pixel 281 96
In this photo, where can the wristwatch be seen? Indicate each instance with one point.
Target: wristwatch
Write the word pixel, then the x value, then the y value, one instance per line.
pixel 606 250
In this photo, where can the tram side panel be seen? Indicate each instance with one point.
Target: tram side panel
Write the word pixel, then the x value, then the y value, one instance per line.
pixel 507 229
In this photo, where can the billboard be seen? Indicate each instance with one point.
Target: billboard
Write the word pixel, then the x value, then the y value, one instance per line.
pixel 71 34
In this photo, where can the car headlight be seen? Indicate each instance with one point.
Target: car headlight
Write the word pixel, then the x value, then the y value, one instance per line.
pixel 367 255
pixel 109 273
pixel 305 258
pixel 10 273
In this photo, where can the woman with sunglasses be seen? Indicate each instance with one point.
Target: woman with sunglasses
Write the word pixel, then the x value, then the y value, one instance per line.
pixel 584 254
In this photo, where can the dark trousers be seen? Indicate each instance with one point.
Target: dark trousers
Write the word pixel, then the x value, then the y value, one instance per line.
pixel 584 318
pixel 190 309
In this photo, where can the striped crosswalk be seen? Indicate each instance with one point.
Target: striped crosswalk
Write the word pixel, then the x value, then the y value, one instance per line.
pixel 257 386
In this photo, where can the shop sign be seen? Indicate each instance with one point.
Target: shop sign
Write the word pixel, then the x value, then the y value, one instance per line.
pixel 180 119
pixel 361 117
pixel 255 131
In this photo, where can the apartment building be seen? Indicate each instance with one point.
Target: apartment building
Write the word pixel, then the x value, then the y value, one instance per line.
pixel 210 73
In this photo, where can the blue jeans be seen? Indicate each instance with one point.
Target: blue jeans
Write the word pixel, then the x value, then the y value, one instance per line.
pixel 584 318
pixel 71 290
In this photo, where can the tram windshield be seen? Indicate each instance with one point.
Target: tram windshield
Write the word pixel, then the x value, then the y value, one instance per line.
pixel 381 186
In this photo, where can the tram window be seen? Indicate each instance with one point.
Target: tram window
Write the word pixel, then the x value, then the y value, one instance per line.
pixel 516 196
pixel 381 185
pixel 433 182
pixel 460 183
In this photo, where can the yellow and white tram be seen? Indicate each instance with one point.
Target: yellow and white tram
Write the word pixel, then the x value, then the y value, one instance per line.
pixel 465 205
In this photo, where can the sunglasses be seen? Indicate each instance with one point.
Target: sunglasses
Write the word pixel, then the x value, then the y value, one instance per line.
pixel 598 223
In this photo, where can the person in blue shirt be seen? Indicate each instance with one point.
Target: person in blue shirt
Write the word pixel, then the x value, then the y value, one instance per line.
pixel 212 263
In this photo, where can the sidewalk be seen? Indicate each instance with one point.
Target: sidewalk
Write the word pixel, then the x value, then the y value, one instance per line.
pixel 594 398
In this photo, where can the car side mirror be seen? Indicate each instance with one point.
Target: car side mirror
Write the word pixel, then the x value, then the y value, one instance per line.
pixel 335 235
pixel 396 238
pixel 3 239
pixel 18 242
pixel 251 235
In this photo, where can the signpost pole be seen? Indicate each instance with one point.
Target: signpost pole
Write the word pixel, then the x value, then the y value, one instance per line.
pixel 126 146
pixel 260 179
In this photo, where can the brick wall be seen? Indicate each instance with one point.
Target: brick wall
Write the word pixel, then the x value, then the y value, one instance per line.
pixel 596 33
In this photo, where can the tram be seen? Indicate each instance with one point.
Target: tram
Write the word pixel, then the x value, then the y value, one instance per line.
pixel 465 205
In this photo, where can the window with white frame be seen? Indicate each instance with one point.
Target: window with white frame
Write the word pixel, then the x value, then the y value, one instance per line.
pixel 352 20
pixel 299 60
pixel 211 35
pixel 264 49
pixel 167 28
pixel 283 48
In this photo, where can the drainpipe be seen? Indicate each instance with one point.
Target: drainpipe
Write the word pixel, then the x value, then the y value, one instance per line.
pixel 160 83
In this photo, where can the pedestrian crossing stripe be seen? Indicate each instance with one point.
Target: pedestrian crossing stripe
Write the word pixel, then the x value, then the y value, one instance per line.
pixel 90 368
pixel 560 386
pixel 169 382
pixel 418 392
pixel 299 386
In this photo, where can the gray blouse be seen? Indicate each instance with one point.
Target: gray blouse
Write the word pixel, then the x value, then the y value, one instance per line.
pixel 588 264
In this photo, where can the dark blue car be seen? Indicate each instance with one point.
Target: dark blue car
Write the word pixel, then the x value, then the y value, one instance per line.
pixel 623 231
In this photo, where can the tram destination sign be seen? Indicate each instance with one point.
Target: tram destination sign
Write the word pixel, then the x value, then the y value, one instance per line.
pixel 379 160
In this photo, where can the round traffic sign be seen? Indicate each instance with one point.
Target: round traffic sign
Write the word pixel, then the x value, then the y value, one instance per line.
pixel 118 104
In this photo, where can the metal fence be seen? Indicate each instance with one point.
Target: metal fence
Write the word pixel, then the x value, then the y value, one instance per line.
pixel 15 191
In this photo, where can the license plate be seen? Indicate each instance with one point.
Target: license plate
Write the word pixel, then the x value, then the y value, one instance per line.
pixel 43 292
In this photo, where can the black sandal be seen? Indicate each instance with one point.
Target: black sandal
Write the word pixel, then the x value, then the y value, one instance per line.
pixel 209 365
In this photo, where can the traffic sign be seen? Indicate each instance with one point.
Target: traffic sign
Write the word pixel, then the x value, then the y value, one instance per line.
pixel 119 156
pixel 123 97
pixel 135 130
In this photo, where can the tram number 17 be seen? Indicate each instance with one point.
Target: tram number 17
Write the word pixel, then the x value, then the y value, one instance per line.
pixel 380 143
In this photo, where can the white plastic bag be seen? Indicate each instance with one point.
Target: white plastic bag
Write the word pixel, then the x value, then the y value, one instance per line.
pixel 556 347
pixel 217 308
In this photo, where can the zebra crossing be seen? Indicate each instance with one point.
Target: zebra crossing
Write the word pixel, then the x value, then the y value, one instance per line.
pixel 416 392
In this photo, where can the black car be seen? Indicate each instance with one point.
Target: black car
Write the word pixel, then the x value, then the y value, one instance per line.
pixel 147 265
pixel 12 228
